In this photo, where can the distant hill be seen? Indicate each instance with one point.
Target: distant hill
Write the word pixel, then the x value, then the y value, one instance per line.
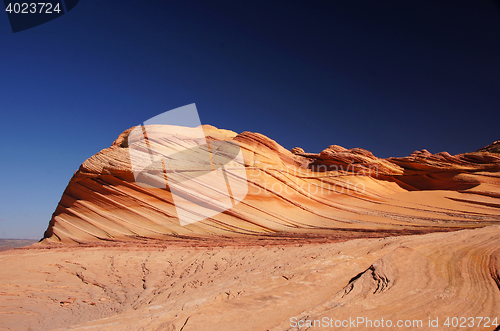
pixel 6 244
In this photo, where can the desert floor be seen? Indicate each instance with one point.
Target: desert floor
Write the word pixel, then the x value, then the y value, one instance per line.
pixel 256 285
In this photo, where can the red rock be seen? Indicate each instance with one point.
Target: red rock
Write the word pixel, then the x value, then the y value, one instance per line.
pixel 492 148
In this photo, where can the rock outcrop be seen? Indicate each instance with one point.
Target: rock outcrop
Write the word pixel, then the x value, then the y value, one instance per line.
pixel 290 193
pixel 492 148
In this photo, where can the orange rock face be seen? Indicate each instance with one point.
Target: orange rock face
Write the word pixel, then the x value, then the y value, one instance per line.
pixel 334 192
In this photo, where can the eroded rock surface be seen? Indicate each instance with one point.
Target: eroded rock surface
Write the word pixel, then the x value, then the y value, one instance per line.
pixel 108 286
pixel 289 192
pixel 334 236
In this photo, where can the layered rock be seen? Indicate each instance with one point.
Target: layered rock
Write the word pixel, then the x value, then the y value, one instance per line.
pixel 288 192
pixel 492 148
pixel 279 259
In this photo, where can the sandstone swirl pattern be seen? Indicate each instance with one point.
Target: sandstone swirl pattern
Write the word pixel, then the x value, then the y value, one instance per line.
pixel 335 192
pixel 424 230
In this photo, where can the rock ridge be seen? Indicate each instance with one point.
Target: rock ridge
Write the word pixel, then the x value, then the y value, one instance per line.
pixel 291 192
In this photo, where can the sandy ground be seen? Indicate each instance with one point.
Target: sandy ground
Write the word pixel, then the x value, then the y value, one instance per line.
pixel 255 285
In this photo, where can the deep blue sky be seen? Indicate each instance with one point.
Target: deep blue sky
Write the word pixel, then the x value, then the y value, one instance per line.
pixel 388 76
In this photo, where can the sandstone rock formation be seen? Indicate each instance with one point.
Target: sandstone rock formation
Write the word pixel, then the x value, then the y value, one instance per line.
pixel 492 148
pixel 320 240
pixel 336 192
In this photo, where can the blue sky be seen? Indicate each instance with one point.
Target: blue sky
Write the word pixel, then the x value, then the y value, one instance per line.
pixel 388 76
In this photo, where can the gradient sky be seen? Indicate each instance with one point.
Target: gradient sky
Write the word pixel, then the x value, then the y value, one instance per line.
pixel 388 76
